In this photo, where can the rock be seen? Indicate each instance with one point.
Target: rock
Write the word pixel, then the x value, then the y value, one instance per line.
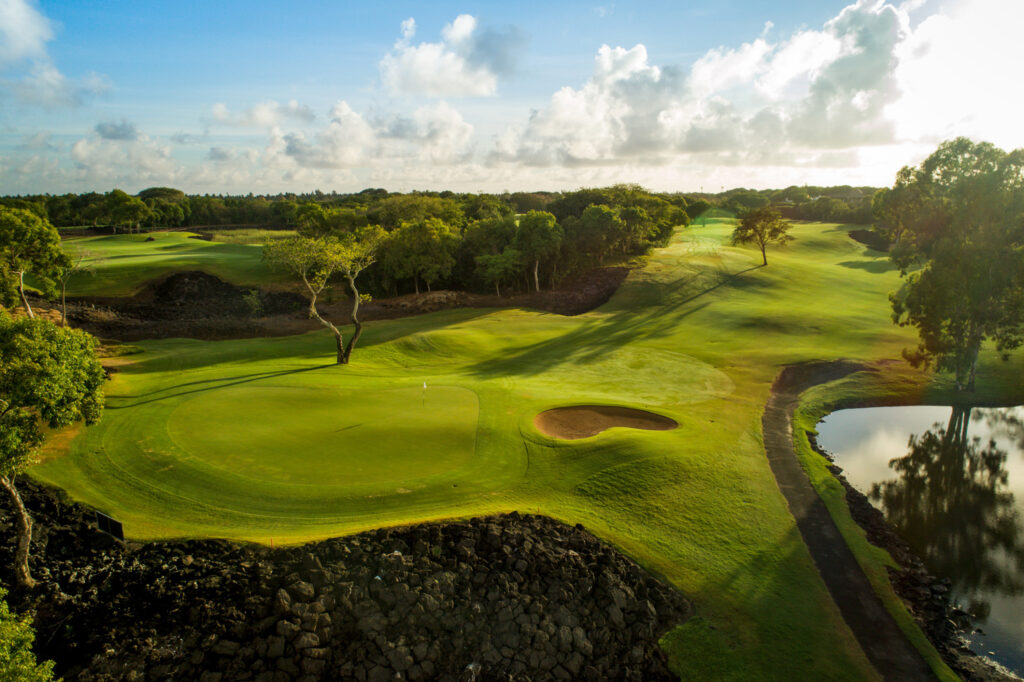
pixel 301 591
pixel 305 640
pixel 226 647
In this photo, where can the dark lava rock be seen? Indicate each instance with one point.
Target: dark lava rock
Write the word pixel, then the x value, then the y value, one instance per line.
pixel 513 596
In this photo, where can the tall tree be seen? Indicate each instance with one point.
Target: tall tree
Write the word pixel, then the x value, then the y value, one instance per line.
pixel 960 252
pixel 423 250
pixel 318 259
pixel 28 244
pixel 762 226
pixel 496 268
pixel 47 375
pixel 538 237
pixel 123 210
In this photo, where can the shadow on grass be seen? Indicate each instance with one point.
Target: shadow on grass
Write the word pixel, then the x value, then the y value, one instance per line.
pixel 207 385
pixel 877 267
pixel 600 336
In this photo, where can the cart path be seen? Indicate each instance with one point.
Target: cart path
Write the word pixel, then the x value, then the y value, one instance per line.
pixel 889 651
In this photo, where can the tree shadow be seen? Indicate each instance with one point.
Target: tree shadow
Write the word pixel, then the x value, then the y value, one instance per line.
pixel 207 385
pixel 877 266
pixel 599 336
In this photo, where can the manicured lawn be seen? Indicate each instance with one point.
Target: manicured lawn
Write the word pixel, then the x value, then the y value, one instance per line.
pixel 265 439
pixel 123 264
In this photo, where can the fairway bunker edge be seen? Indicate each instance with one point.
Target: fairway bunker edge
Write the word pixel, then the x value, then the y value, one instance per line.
pixel 583 421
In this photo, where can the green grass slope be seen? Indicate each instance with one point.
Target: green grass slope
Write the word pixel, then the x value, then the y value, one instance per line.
pixel 266 440
pixel 120 265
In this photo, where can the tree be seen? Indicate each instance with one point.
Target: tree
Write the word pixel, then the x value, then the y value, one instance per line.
pixel 423 250
pixel 47 375
pixel 17 662
pixel 122 209
pixel 316 260
pixel 762 226
pixel 28 244
pixel 496 268
pixel 81 261
pixel 962 214
pixel 538 237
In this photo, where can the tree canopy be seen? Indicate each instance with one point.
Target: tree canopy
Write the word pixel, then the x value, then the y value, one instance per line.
pixel 28 244
pixel 762 226
pixel 17 662
pixel 316 260
pixel 48 375
pixel 960 217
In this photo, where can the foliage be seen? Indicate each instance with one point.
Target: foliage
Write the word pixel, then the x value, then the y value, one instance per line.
pixel 423 250
pixel 17 662
pixel 47 374
pixel 316 260
pixel 28 244
pixel 499 267
pixel 538 237
pixel 762 226
pixel 960 217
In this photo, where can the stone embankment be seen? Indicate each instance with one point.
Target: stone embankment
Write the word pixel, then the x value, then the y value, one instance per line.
pixel 503 597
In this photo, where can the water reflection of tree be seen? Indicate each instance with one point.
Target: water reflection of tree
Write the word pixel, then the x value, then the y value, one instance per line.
pixel 952 505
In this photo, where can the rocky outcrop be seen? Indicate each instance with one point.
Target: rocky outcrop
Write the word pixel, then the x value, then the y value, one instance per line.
pixel 513 596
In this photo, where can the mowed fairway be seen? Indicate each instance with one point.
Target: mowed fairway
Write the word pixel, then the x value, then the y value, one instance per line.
pixel 120 265
pixel 266 440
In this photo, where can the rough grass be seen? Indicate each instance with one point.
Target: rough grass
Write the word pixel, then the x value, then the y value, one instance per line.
pixel 121 265
pixel 194 444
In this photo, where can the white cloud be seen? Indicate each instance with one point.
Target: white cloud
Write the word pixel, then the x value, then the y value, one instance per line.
pixel 31 75
pixel 24 32
pixel 104 161
pixel 467 62
pixel 816 99
pixel 263 115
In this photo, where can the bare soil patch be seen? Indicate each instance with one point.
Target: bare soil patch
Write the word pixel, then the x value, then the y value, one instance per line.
pixel 583 421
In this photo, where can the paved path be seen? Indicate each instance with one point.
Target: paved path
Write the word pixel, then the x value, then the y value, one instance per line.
pixel 893 656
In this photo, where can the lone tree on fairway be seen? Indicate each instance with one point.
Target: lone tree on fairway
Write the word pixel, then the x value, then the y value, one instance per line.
pixel 316 260
pixel 762 226
pixel 960 251
pixel 28 244
pixel 47 375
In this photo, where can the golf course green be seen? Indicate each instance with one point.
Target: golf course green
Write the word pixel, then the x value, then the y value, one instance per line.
pixel 121 264
pixel 266 440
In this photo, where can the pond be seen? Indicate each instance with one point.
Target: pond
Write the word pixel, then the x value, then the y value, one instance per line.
pixel 951 481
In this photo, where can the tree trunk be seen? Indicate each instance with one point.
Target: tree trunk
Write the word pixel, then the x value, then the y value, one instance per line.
pixel 416 283
pixel 536 277
pixel 21 290
pixel 428 285
pixel 357 325
pixel 764 256
pixel 63 303
pixel 497 290
pixel 21 573
pixel 338 339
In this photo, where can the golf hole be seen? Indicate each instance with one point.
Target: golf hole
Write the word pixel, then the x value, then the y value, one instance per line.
pixel 582 421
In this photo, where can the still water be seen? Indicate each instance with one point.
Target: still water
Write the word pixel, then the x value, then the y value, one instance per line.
pixel 951 480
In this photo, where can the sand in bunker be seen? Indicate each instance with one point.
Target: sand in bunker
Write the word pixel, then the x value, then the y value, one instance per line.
pixel 583 421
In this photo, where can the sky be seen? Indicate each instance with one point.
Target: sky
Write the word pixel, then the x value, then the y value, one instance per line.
pixel 265 97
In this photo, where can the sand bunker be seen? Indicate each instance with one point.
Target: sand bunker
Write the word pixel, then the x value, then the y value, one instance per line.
pixel 583 421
